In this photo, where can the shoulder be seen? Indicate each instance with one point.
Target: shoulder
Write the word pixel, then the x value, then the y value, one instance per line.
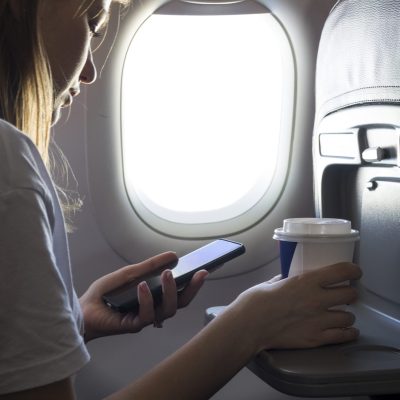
pixel 20 162
pixel 10 136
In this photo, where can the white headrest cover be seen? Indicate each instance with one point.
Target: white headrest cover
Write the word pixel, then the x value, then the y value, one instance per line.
pixel 359 55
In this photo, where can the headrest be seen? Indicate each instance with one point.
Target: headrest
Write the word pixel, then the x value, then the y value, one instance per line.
pixel 359 55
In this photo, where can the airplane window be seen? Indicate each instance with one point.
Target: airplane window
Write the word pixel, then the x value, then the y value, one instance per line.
pixel 202 102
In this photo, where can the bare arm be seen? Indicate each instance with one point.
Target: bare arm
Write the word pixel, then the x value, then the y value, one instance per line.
pixel 199 368
pixel 290 313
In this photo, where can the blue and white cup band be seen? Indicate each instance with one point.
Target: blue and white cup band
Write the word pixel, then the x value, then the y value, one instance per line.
pixel 287 250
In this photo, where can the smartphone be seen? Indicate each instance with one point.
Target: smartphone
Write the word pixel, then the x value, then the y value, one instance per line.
pixel 210 257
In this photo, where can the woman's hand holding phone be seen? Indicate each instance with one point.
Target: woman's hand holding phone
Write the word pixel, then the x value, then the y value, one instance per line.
pixel 209 257
pixel 100 320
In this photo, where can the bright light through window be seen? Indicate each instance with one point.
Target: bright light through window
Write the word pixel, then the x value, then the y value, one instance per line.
pixel 201 113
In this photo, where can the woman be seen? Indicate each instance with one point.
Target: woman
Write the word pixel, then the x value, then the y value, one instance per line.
pixel 45 50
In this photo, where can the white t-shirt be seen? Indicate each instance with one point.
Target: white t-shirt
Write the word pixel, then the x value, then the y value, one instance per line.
pixel 40 317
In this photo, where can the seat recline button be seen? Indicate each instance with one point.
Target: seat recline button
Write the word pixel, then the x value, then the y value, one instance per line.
pixel 373 154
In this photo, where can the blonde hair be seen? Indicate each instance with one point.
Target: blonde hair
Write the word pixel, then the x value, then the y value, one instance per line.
pixel 26 89
pixel 26 84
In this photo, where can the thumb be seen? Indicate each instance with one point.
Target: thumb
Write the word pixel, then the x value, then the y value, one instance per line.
pixel 134 272
pixel 276 278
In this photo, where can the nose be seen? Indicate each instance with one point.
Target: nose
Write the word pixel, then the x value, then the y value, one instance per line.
pixel 89 73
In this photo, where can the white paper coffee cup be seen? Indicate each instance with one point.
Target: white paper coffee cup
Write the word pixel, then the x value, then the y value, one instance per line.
pixel 309 243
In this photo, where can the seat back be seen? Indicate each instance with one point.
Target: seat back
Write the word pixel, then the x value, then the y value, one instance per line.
pixel 356 159
pixel 356 143
pixel 356 156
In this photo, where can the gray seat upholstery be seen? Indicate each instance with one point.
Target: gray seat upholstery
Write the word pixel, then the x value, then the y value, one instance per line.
pixel 359 55
pixel 356 152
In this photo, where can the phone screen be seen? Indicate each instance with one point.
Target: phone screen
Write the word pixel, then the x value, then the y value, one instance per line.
pixel 204 256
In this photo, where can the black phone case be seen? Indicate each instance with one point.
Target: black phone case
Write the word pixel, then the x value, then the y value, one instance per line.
pixel 124 299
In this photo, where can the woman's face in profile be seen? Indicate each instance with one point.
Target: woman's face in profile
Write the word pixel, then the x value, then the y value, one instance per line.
pixel 67 28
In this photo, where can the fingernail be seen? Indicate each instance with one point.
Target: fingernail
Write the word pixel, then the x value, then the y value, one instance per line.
pixel 205 274
pixel 143 287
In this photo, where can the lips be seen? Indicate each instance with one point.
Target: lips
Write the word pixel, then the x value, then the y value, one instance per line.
pixel 67 101
pixel 74 92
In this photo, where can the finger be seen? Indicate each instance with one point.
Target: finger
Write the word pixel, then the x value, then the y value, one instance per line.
pixel 339 335
pixel 276 278
pixel 153 264
pixel 146 305
pixel 337 273
pixel 336 296
pixel 170 297
pixel 190 291
pixel 130 322
pixel 337 319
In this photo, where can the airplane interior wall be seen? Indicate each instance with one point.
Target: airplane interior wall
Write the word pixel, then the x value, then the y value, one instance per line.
pixel 118 360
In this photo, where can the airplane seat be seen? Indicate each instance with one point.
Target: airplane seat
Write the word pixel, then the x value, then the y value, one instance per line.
pixel 356 146
pixel 356 154
pixel 356 161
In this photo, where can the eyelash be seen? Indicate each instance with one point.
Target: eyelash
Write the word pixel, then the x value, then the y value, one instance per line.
pixel 97 34
pixel 94 32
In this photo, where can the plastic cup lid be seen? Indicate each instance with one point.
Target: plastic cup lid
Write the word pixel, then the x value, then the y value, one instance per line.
pixel 313 227
pixel 316 226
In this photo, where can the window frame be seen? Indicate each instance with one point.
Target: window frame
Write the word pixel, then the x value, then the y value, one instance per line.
pixel 274 190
